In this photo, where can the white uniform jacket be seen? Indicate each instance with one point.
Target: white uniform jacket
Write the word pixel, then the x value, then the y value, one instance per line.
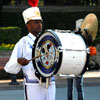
pixel 23 49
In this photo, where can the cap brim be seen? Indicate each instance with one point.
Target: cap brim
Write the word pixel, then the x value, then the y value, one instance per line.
pixel 34 18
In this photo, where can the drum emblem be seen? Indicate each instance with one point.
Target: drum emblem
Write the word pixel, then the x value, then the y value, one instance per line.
pixel 48 62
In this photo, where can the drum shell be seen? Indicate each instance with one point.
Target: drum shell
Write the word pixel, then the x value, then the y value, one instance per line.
pixel 69 51
pixel 74 54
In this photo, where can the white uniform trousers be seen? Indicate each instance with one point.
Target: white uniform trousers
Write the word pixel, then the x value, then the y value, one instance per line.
pixel 37 92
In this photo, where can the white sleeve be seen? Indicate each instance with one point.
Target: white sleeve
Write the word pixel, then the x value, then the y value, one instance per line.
pixel 12 65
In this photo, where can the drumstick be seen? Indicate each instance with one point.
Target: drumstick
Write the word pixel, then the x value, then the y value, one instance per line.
pixel 35 58
pixel 38 56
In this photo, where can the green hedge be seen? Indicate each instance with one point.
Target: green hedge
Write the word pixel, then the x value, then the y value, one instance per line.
pixel 52 20
pixel 10 34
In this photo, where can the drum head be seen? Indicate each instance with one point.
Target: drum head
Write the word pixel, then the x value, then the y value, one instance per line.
pixel 47 45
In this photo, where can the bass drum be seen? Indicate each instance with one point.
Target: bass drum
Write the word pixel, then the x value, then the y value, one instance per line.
pixel 60 53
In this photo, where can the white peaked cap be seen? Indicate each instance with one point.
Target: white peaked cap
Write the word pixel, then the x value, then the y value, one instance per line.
pixel 32 13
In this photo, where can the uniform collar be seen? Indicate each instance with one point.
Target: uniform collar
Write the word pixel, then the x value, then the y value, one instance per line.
pixel 31 36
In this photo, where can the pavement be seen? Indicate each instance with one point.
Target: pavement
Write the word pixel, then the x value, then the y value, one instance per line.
pixel 91 78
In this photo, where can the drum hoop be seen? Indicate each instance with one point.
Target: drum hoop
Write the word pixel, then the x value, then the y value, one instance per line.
pixel 60 54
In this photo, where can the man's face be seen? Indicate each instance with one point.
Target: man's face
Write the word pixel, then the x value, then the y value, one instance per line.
pixel 34 26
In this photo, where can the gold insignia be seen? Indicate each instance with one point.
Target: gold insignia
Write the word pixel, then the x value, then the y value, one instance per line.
pixel 37 13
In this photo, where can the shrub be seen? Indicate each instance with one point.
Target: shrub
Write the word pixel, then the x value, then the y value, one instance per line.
pixel 9 34
pixel 6 46
pixel 51 20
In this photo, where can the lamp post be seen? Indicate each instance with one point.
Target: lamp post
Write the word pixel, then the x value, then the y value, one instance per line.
pixel 13 80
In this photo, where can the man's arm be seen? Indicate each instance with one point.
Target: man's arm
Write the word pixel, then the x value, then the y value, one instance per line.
pixel 22 61
pixel 12 65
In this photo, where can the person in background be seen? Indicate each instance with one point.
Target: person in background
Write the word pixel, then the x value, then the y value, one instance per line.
pixel 79 79
pixel 79 86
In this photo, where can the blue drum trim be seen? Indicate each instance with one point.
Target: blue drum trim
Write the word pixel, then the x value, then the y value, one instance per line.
pixel 47 71
pixel 57 44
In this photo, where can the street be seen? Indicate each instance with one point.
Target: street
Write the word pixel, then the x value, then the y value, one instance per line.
pixel 90 93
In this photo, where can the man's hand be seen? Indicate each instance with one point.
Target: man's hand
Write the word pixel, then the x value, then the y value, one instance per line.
pixel 22 61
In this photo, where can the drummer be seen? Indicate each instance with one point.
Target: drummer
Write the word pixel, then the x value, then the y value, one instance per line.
pixel 21 55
